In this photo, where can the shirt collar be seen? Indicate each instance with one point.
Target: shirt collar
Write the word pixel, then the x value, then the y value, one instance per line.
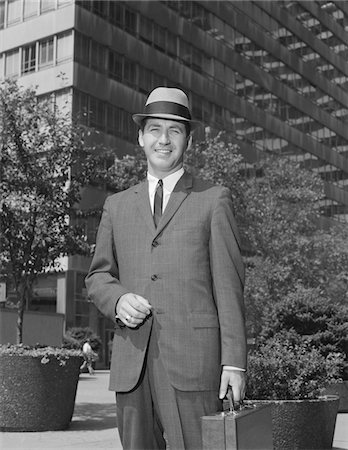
pixel 169 181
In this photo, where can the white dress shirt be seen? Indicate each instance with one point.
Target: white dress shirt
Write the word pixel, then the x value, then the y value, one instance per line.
pixel 169 183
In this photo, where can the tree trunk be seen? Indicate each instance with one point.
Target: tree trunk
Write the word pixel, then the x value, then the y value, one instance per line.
pixel 20 314
pixel 23 294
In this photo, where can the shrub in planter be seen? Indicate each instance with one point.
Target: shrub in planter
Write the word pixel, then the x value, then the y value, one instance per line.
pixel 289 373
pixel 75 338
pixel 321 323
pixel 37 387
pixel 287 367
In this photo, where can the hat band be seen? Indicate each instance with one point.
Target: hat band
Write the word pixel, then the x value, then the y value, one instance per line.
pixel 167 108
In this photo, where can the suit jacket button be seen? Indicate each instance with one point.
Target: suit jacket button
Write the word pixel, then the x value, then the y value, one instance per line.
pixel 155 243
pixel 154 277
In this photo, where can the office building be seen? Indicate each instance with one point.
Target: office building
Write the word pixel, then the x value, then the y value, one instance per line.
pixel 272 73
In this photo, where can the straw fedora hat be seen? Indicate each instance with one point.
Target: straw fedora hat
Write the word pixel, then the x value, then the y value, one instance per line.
pixel 167 103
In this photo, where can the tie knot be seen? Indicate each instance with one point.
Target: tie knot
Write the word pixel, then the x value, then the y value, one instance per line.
pixel 160 183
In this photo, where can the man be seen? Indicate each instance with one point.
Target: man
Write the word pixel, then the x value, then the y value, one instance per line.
pixel 88 355
pixel 167 269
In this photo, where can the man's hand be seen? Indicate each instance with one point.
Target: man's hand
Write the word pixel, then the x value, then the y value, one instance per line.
pixel 133 309
pixel 237 380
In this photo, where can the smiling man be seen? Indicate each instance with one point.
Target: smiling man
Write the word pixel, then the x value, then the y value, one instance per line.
pixel 167 269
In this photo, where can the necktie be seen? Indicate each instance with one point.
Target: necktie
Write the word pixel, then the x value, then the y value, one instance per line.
pixel 157 211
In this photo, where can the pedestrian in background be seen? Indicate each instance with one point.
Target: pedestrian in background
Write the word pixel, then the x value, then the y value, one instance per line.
pixel 88 355
pixel 167 269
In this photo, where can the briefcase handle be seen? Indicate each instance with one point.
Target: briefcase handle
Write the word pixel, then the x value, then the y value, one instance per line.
pixel 235 408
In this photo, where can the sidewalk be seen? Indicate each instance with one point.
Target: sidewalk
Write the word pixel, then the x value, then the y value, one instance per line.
pixel 94 423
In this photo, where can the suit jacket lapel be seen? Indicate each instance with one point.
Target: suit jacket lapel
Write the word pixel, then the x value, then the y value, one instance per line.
pixel 180 192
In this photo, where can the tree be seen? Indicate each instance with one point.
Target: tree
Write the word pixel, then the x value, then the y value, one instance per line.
pixel 297 274
pixel 42 170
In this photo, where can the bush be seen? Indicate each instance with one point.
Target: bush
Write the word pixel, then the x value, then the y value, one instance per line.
pixel 46 353
pixel 320 322
pixel 75 338
pixel 286 367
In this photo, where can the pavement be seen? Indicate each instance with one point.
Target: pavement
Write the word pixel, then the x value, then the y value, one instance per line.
pixel 94 423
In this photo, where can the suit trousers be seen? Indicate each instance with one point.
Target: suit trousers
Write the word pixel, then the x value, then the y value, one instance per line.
pixel 155 414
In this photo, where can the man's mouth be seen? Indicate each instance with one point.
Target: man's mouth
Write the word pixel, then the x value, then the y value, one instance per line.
pixel 163 150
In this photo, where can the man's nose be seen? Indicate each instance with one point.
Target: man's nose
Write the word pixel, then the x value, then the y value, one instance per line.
pixel 164 138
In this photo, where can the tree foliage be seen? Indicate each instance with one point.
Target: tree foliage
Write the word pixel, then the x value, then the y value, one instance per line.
pixel 289 248
pixel 41 174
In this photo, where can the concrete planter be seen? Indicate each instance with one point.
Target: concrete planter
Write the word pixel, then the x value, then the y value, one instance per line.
pixel 303 424
pixel 340 389
pixel 36 393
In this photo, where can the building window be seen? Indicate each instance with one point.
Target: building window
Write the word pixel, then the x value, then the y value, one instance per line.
pixel 171 44
pixel 47 5
pixel 80 107
pixel 145 31
pixel 82 44
pixel 130 72
pixel 63 100
pixel 31 8
pixel 145 80
pixel 130 21
pixel 46 53
pixel 2 65
pixel 64 47
pixel 116 13
pixel 97 113
pixel 186 52
pixel 100 8
pixel 2 14
pixel 12 64
pixel 159 38
pixel 62 3
pixel 29 58
pixel 115 120
pixel 115 66
pixel 13 11
pixel 98 57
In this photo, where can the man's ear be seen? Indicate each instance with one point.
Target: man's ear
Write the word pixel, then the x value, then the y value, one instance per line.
pixel 140 138
pixel 189 142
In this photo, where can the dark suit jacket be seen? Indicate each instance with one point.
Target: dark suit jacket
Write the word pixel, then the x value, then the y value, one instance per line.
pixel 189 269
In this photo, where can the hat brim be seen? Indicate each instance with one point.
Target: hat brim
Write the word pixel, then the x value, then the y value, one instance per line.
pixel 138 118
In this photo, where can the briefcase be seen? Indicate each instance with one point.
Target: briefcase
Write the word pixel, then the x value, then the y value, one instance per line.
pixel 249 428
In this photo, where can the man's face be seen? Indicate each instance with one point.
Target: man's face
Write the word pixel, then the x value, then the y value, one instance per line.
pixel 164 143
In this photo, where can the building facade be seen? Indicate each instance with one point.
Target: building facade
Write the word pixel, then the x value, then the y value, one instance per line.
pixel 272 73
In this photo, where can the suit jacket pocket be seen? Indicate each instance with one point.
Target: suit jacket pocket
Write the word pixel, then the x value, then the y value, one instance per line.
pixel 204 320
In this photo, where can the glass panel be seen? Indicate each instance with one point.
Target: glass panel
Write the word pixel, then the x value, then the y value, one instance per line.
pixel 12 63
pixel 98 57
pixel 28 58
pixel 64 47
pixel 48 5
pixel 130 72
pixel 13 11
pixel 2 14
pixel 2 65
pixel 115 65
pixel 31 8
pixel 130 21
pixel 159 36
pixel 63 2
pixel 145 31
pixel 116 13
pixel 82 49
pixel 46 53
